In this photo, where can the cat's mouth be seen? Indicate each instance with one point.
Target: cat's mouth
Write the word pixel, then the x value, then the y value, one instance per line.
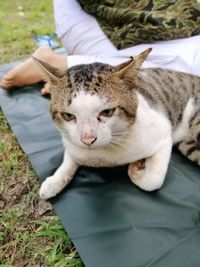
pixel 88 147
pixel 94 146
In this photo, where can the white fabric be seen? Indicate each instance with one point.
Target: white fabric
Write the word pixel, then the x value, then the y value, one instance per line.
pixel 81 35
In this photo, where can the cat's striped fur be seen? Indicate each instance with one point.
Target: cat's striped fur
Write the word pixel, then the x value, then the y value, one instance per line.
pixel 171 91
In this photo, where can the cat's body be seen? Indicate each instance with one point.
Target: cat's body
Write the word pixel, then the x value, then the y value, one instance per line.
pixel 111 116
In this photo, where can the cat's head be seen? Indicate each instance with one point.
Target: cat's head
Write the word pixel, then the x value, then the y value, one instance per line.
pixel 94 105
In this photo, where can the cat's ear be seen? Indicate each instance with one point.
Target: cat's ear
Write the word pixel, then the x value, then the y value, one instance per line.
pixel 51 73
pixel 130 68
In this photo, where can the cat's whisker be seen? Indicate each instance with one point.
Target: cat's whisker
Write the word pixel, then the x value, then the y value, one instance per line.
pixel 122 144
pixel 126 145
pixel 109 148
pixel 121 132
pixel 113 147
pixel 120 148
pixel 121 140
pixel 116 143
pixel 124 135
pixel 106 146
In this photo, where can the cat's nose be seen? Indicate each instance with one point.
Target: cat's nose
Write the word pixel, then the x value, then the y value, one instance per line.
pixel 89 140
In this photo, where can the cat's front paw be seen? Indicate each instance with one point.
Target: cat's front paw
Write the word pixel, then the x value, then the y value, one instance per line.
pixel 50 187
pixel 143 178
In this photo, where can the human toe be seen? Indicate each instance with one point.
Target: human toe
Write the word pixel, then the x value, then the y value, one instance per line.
pixel 45 90
pixel 6 83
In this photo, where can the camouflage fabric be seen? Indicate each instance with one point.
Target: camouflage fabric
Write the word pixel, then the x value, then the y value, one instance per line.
pixel 130 22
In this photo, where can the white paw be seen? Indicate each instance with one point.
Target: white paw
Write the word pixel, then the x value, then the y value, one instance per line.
pixel 147 181
pixel 51 187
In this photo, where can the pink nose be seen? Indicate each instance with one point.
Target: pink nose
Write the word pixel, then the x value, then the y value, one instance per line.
pixel 88 141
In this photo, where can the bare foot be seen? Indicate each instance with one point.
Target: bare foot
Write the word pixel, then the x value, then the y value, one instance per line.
pixel 28 72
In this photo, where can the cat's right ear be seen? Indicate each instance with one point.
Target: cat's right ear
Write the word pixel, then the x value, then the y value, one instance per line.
pixel 51 74
pixel 128 70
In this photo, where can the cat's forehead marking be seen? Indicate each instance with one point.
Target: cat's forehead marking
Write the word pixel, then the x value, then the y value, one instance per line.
pixel 88 77
pixel 86 104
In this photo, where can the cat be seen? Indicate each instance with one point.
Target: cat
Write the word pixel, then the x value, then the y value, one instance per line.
pixel 124 114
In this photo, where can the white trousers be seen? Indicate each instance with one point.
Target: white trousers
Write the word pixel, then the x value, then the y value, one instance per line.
pixel 85 42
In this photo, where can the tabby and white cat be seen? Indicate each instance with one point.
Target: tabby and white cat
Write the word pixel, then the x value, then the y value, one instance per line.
pixel 111 116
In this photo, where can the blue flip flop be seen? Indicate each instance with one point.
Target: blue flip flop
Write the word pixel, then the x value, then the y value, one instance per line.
pixel 46 40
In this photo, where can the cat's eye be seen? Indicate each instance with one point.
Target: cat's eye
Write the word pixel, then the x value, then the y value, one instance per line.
pixel 68 116
pixel 107 112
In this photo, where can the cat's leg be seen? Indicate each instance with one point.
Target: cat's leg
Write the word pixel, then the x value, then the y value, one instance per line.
pixel 190 149
pixel 152 175
pixel 56 183
pixel 190 146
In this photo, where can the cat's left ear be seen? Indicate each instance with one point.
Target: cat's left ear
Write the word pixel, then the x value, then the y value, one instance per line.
pixel 130 68
pixel 51 74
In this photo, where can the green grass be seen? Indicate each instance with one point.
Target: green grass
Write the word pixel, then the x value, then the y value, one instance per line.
pixel 30 232
pixel 19 22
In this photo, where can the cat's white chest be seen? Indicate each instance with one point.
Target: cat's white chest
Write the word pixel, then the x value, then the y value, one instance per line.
pixel 145 138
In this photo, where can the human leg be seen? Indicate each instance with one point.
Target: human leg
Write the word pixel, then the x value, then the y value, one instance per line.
pixel 79 32
pixel 28 72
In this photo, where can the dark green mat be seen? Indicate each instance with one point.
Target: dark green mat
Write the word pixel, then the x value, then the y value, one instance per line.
pixel 111 222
